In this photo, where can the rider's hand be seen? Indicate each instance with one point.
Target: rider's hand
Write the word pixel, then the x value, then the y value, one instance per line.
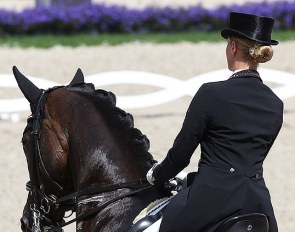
pixel 149 175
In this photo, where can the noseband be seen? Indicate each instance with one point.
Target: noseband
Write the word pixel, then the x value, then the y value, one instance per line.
pixel 43 203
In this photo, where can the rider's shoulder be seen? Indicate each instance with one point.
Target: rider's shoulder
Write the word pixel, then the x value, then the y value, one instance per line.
pixel 212 87
pixel 214 84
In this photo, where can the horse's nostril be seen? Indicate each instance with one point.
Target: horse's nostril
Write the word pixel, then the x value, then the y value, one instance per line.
pixel 24 223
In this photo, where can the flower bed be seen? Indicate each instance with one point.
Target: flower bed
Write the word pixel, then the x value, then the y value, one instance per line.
pixel 98 18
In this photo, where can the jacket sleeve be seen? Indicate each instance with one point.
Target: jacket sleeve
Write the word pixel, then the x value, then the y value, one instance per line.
pixel 191 134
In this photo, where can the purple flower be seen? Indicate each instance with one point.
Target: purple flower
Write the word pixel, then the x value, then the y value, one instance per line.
pixel 97 18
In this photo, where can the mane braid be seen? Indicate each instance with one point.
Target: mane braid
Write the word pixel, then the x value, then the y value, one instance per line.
pixel 120 119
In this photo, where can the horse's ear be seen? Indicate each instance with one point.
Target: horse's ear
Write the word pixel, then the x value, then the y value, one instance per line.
pixel 30 91
pixel 78 78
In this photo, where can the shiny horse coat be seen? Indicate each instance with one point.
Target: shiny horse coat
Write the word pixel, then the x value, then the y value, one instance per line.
pixel 78 140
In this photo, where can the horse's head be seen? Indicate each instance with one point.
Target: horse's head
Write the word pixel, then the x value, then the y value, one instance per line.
pixel 75 138
pixel 46 146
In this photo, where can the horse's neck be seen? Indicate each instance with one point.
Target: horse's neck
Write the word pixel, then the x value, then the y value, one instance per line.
pixel 104 164
pixel 117 216
pixel 99 156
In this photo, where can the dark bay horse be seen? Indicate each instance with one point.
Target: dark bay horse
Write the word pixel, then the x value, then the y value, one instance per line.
pixel 85 155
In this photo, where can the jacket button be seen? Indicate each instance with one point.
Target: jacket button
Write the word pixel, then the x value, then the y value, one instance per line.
pixel 232 170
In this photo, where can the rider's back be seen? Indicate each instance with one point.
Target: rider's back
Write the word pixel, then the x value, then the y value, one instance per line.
pixel 243 118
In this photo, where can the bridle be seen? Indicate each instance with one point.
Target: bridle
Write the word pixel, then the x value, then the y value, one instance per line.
pixel 43 203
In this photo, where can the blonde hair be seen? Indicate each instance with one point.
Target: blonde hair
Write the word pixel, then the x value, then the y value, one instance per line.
pixel 254 52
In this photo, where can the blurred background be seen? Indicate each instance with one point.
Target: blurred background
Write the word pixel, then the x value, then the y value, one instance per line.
pixel 176 39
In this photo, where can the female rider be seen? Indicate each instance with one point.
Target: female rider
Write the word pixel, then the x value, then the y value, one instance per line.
pixel 235 122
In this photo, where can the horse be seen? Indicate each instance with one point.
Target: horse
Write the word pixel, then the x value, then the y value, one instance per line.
pixel 83 154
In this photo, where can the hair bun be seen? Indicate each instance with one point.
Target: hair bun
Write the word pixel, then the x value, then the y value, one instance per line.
pixel 261 53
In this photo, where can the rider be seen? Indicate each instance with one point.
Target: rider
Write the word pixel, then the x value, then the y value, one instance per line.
pixel 236 122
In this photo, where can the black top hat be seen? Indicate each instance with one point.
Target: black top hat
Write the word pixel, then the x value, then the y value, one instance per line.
pixel 249 26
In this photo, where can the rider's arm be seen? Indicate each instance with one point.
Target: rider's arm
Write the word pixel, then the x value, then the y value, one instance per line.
pixel 189 137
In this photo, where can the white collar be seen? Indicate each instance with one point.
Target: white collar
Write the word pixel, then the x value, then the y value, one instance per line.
pixel 238 70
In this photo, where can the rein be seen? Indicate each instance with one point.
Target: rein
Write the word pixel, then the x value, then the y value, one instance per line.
pixel 36 187
pixel 99 208
pixel 100 189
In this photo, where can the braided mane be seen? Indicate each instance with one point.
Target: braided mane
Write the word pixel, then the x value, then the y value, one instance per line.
pixel 118 119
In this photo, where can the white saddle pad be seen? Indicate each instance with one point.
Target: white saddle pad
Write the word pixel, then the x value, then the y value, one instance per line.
pixel 154 227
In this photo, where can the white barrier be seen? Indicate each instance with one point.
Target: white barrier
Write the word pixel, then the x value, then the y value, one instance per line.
pixel 171 88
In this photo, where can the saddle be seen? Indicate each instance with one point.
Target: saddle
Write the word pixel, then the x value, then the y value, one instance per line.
pixel 150 218
pixel 150 215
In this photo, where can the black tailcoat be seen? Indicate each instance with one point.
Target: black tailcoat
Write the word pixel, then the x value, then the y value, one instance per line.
pixel 236 122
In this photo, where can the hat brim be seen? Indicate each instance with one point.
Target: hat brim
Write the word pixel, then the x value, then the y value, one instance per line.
pixel 225 33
